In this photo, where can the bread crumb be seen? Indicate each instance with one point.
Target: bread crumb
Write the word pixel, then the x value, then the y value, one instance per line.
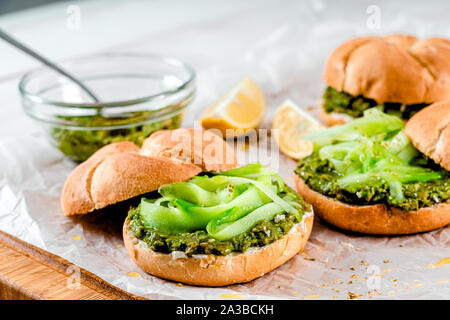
pixel 232 296
pixel 442 281
pixel 352 295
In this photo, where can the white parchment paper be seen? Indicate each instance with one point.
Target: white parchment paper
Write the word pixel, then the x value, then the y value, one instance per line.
pixel 285 49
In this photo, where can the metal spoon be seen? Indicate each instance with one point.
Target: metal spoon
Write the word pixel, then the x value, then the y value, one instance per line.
pixel 34 54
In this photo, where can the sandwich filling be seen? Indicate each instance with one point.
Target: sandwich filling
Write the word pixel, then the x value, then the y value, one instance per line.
pixel 218 213
pixel 370 160
pixel 354 106
pixel 81 144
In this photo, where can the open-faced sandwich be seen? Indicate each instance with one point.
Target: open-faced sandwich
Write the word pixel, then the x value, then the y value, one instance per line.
pixel 399 74
pixel 199 218
pixel 374 176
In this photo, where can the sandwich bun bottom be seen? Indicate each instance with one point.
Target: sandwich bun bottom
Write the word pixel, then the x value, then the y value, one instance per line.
pixel 214 271
pixel 333 118
pixel 374 219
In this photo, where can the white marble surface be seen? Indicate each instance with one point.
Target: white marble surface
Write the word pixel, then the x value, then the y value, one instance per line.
pixel 283 46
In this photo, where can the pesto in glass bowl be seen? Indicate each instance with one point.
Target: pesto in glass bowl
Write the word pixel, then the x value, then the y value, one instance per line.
pixel 139 94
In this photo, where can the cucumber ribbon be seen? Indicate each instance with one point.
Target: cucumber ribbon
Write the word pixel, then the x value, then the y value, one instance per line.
pixel 371 150
pixel 226 204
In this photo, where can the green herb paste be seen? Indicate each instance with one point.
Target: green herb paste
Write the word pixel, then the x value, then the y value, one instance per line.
pixel 199 242
pixel 320 176
pixel 79 145
pixel 342 102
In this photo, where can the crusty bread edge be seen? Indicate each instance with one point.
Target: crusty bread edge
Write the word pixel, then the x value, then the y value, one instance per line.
pixel 429 132
pixel 121 170
pixel 215 271
pixel 333 118
pixel 120 177
pixel 399 68
pixel 76 195
pixel 374 219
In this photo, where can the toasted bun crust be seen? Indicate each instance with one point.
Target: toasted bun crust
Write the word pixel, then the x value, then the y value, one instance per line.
pixel 211 270
pixel 394 68
pixel 429 131
pixel 101 181
pixel 120 171
pixel 334 118
pixel 200 147
pixel 374 219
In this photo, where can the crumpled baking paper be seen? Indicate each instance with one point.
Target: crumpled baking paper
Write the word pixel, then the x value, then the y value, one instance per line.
pixel 286 59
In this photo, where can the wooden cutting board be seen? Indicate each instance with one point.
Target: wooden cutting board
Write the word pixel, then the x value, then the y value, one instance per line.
pixel 28 272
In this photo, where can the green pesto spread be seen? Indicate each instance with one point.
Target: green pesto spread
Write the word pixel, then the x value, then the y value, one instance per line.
pixel 200 242
pixel 79 145
pixel 321 176
pixel 354 106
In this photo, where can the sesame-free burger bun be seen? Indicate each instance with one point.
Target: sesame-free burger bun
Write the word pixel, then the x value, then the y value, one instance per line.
pixel 204 148
pixel 374 219
pixel 429 132
pixel 213 270
pixel 395 68
pixel 121 170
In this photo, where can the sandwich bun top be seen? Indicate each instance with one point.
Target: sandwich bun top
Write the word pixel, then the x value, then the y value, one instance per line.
pixel 429 131
pixel 121 170
pixel 204 148
pixel 395 68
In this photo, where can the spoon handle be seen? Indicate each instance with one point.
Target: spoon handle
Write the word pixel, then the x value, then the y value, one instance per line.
pixel 45 61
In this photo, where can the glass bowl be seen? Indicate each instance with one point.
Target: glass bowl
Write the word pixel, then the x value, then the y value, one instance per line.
pixel 139 94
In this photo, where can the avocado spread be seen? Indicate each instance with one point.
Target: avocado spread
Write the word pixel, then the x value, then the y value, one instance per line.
pixel 79 145
pixel 342 102
pixel 321 176
pixel 259 234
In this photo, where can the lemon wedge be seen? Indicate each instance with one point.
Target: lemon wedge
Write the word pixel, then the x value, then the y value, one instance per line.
pixel 289 123
pixel 242 108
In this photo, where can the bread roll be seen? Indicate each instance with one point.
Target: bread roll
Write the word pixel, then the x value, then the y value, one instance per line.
pixel 212 270
pixel 374 219
pixel 200 147
pixel 429 131
pixel 120 171
pixel 396 68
